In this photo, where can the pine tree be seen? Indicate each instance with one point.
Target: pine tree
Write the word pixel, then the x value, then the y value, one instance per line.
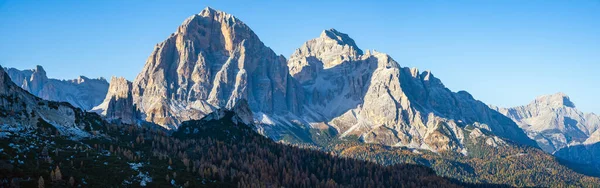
pixel 41 182
pixel 57 174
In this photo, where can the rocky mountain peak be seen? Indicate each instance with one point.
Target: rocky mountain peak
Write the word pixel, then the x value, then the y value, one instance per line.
pixel 553 121
pixel 557 100
pixel 329 50
pixel 81 92
pixel 210 12
pixel 211 62
pixel 38 80
pixel 214 62
pixel 340 38
pixel 370 96
pixel 40 69
pixel 118 104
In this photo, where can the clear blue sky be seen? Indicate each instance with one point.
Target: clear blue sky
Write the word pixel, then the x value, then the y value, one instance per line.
pixel 503 52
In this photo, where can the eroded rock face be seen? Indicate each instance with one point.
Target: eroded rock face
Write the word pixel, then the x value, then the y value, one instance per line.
pixel 21 109
pixel 329 50
pixel 212 61
pixel 369 95
pixel 554 122
pixel 83 92
pixel 118 104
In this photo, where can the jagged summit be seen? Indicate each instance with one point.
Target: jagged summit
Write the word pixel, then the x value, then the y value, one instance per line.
pixel 559 99
pixel 118 103
pixel 340 38
pixel 209 9
pixel 329 50
pixel 211 62
pixel 81 92
pixel 210 12
pixel 214 61
pixel 39 68
pixel 372 97
pixel 553 121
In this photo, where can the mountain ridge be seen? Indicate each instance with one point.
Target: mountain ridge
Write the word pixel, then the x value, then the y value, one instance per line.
pixel 554 122
pixel 82 92
pixel 213 60
pixel 386 103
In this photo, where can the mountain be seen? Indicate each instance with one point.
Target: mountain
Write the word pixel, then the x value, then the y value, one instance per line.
pixel 38 149
pixel 329 84
pixel 118 103
pixel 554 122
pixel 212 61
pixel 559 128
pixel 55 144
pixel 371 96
pixel 83 92
pixel 20 109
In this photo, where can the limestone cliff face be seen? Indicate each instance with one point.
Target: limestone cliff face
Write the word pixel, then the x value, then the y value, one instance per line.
pixel 21 109
pixel 118 104
pixel 83 92
pixel 329 50
pixel 212 61
pixel 369 95
pixel 554 122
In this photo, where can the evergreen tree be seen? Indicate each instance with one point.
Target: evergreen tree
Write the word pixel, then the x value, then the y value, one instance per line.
pixel 41 182
pixel 57 174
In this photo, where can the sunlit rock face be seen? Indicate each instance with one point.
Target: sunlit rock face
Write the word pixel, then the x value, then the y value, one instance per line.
pixel 212 61
pixel 83 92
pixel 554 122
pixel 370 95
pixel 118 104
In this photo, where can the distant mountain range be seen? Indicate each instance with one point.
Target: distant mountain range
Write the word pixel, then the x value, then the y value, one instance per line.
pixel 560 128
pixel 83 92
pixel 333 96
pixel 554 122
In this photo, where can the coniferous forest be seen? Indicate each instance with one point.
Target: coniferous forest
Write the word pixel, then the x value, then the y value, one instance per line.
pixel 202 153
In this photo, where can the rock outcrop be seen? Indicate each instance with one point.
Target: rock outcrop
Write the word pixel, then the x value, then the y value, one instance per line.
pixel 83 92
pixel 554 122
pixel 212 61
pixel 118 104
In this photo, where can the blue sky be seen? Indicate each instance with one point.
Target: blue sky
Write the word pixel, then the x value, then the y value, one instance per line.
pixel 503 52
